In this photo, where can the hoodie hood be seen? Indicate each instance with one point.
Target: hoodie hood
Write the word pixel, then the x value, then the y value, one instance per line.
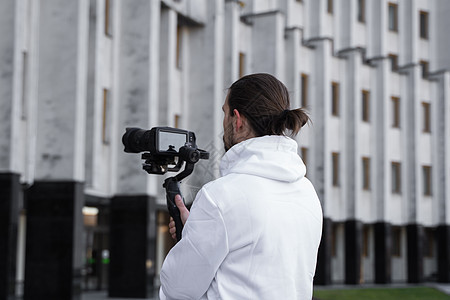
pixel 271 156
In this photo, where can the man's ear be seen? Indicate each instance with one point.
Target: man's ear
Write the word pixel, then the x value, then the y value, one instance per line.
pixel 238 121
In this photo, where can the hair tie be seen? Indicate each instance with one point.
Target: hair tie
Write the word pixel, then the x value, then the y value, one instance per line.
pixel 284 113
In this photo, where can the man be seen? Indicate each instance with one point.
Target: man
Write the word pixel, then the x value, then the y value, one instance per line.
pixel 254 232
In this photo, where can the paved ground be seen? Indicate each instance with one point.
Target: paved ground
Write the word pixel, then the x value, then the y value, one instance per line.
pixel 102 295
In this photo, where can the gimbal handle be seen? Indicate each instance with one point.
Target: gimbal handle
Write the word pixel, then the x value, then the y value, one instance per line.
pixel 172 187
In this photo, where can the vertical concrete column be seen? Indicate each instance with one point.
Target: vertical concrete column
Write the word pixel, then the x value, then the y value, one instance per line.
pixel 409 29
pixel 9 191
pixel 9 179
pixel 132 209
pixel 268 45
pixel 376 25
pixel 410 109
pixel 441 164
pixel 321 93
pixel 207 90
pixel 292 63
pixel 351 184
pixel 54 202
pixel 381 167
pixel 168 48
pixel 231 43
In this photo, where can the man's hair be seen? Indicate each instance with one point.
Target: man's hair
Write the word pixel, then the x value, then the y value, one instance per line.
pixel 264 101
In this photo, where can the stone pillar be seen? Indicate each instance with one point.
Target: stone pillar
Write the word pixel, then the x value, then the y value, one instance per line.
pixel 9 191
pixel 132 211
pixel 443 253
pixel 54 202
pixel 414 238
pixel 268 44
pixel 353 242
pixel 441 165
pixel 318 165
pixel 133 255
pixel 410 116
pixel 9 178
pixel 383 238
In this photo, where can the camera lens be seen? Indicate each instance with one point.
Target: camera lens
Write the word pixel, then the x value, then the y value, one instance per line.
pixel 136 140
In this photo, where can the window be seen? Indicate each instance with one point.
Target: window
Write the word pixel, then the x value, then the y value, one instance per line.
pixel 108 14
pixel 394 62
pixel 304 87
pixel 335 170
pixel 330 6
pixel 366 173
pixel 423 24
pixel 361 11
pixel 426 117
pixel 335 99
pixel 179 41
pixel 105 116
pixel 177 121
pixel 365 106
pixel 427 184
pixel 425 68
pixel 241 64
pixel 396 241
pixel 395 112
pixel 393 17
pixel 396 178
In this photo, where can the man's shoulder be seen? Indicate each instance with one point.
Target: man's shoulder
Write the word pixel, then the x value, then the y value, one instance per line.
pixel 231 185
pixel 224 182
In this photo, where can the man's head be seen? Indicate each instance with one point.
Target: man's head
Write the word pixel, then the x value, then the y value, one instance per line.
pixel 258 105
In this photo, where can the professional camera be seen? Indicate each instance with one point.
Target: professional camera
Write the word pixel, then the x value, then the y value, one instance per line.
pixel 166 147
pixel 166 150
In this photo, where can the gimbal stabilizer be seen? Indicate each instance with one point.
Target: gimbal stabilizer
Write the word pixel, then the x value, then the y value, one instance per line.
pixel 162 142
pixel 172 184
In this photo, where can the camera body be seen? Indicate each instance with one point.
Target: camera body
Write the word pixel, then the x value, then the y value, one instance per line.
pixel 166 148
pixel 164 141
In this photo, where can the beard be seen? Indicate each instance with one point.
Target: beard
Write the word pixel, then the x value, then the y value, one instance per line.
pixel 228 139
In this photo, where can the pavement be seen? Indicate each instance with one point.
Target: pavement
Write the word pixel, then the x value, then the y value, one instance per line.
pixel 444 287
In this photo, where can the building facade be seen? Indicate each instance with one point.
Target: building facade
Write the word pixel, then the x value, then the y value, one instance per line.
pixel 374 76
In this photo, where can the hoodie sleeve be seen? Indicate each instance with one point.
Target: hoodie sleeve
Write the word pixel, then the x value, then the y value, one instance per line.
pixel 192 263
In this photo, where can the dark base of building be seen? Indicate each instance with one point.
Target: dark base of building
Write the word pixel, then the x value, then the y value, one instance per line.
pixel 382 241
pixel 443 253
pixel 414 237
pixel 353 238
pixel 131 234
pixel 54 242
pixel 9 194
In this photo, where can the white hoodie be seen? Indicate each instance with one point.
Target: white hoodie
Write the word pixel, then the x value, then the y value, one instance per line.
pixel 251 234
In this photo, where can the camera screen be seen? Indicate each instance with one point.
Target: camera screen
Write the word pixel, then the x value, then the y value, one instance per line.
pixel 171 141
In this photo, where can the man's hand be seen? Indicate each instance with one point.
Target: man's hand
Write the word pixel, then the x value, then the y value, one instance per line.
pixel 184 214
